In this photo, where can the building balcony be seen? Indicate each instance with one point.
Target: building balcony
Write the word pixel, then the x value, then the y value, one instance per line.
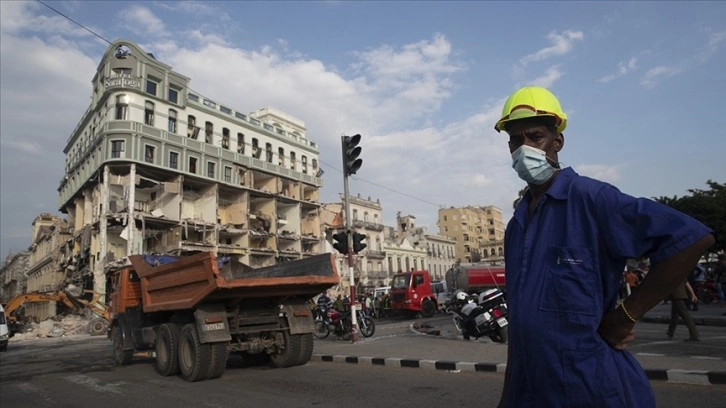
pixel 375 254
pixel 367 225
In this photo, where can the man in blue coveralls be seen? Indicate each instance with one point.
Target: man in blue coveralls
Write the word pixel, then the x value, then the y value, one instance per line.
pixel 565 251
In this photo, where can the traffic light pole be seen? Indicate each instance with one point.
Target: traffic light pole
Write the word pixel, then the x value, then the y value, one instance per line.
pixel 348 226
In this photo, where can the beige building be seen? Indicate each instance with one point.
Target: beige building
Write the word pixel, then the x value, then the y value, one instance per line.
pixel 440 250
pixel 478 232
pixel 13 276
pixel 366 218
pixel 401 254
pixel 155 167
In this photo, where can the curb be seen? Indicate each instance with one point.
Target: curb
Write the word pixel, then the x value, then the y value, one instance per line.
pixel 699 321
pixel 674 375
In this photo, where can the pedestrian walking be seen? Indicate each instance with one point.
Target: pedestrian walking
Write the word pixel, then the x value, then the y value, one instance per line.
pixel 565 252
pixel 682 294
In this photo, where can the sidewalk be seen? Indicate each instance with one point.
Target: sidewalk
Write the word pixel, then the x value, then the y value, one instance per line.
pixel 440 353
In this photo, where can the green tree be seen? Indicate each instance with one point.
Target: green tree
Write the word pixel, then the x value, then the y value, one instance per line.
pixel 707 206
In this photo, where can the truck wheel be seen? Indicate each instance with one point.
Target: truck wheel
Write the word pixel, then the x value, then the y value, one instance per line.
pixel 98 326
pixel 306 348
pixel 218 360
pixel 289 354
pixel 167 350
pixel 322 329
pixel 193 356
pixel 428 308
pixel 121 356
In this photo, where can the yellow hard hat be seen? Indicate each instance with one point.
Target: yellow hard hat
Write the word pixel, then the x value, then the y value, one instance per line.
pixel 532 101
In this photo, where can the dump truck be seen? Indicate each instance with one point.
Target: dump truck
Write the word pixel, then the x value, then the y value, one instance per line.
pixel 192 311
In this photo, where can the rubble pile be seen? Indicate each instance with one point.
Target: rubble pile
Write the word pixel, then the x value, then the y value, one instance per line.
pixel 58 326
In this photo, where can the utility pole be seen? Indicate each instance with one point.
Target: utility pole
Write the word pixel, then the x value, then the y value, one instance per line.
pixel 351 164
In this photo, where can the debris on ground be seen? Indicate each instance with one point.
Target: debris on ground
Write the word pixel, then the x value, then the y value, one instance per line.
pixel 58 326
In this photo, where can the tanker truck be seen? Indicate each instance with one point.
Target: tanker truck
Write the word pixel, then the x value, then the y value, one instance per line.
pixel 475 277
pixel 192 311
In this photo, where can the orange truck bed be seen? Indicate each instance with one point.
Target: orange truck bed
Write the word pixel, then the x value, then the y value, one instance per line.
pixel 192 280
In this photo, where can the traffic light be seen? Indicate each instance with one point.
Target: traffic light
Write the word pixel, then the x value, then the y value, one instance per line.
pixel 341 242
pixel 358 244
pixel 351 151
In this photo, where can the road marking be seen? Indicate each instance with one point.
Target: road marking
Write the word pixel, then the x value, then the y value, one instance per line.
pixel 93 384
pixel 650 354
pixel 29 388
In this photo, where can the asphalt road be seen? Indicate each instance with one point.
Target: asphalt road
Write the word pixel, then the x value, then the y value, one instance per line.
pixel 650 339
pixel 79 372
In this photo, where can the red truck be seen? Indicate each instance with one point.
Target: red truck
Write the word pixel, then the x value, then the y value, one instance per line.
pixel 411 294
pixel 475 277
pixel 192 311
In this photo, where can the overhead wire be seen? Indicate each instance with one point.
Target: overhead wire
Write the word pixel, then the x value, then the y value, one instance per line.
pixel 385 188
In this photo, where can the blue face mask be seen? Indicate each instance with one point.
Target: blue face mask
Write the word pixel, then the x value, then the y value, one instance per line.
pixel 531 165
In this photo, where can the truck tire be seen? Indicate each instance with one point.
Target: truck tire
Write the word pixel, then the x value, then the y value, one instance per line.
pixel 306 348
pixel 193 355
pixel 218 360
pixel 289 354
pixel 98 326
pixel 428 308
pixel 167 350
pixel 121 356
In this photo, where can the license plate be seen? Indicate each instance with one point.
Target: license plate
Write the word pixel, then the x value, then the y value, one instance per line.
pixel 502 321
pixel 213 326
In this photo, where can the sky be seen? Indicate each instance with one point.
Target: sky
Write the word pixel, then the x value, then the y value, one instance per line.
pixel 642 84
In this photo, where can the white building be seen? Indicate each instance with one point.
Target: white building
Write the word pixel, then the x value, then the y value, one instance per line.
pixel 154 167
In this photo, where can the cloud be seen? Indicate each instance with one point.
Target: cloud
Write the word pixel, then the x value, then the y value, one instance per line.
pixel 604 172
pixel 654 75
pixel 623 68
pixel 562 44
pixel 716 39
pixel 698 57
pixel 549 77
pixel 140 20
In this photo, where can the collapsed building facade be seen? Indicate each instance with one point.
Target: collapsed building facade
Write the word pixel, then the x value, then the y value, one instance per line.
pixel 155 167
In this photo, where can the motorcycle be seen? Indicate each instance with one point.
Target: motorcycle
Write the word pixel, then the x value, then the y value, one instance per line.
pixel 487 318
pixel 329 320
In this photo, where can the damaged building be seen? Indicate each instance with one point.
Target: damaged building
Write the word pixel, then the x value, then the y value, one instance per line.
pixel 155 167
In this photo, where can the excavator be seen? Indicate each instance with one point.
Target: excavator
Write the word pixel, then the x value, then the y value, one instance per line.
pixel 96 327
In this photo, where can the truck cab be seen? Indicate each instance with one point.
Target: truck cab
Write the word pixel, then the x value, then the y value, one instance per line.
pixel 411 294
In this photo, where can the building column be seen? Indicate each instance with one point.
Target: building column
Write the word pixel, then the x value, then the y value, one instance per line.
pixel 99 277
pixel 131 222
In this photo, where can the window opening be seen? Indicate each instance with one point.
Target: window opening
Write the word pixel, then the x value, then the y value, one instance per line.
pixel 174 160
pixel 208 132
pixel 149 113
pixel 122 107
pixel 172 121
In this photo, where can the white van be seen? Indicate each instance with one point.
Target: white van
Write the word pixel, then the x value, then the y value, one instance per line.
pixel 380 291
pixel 4 331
